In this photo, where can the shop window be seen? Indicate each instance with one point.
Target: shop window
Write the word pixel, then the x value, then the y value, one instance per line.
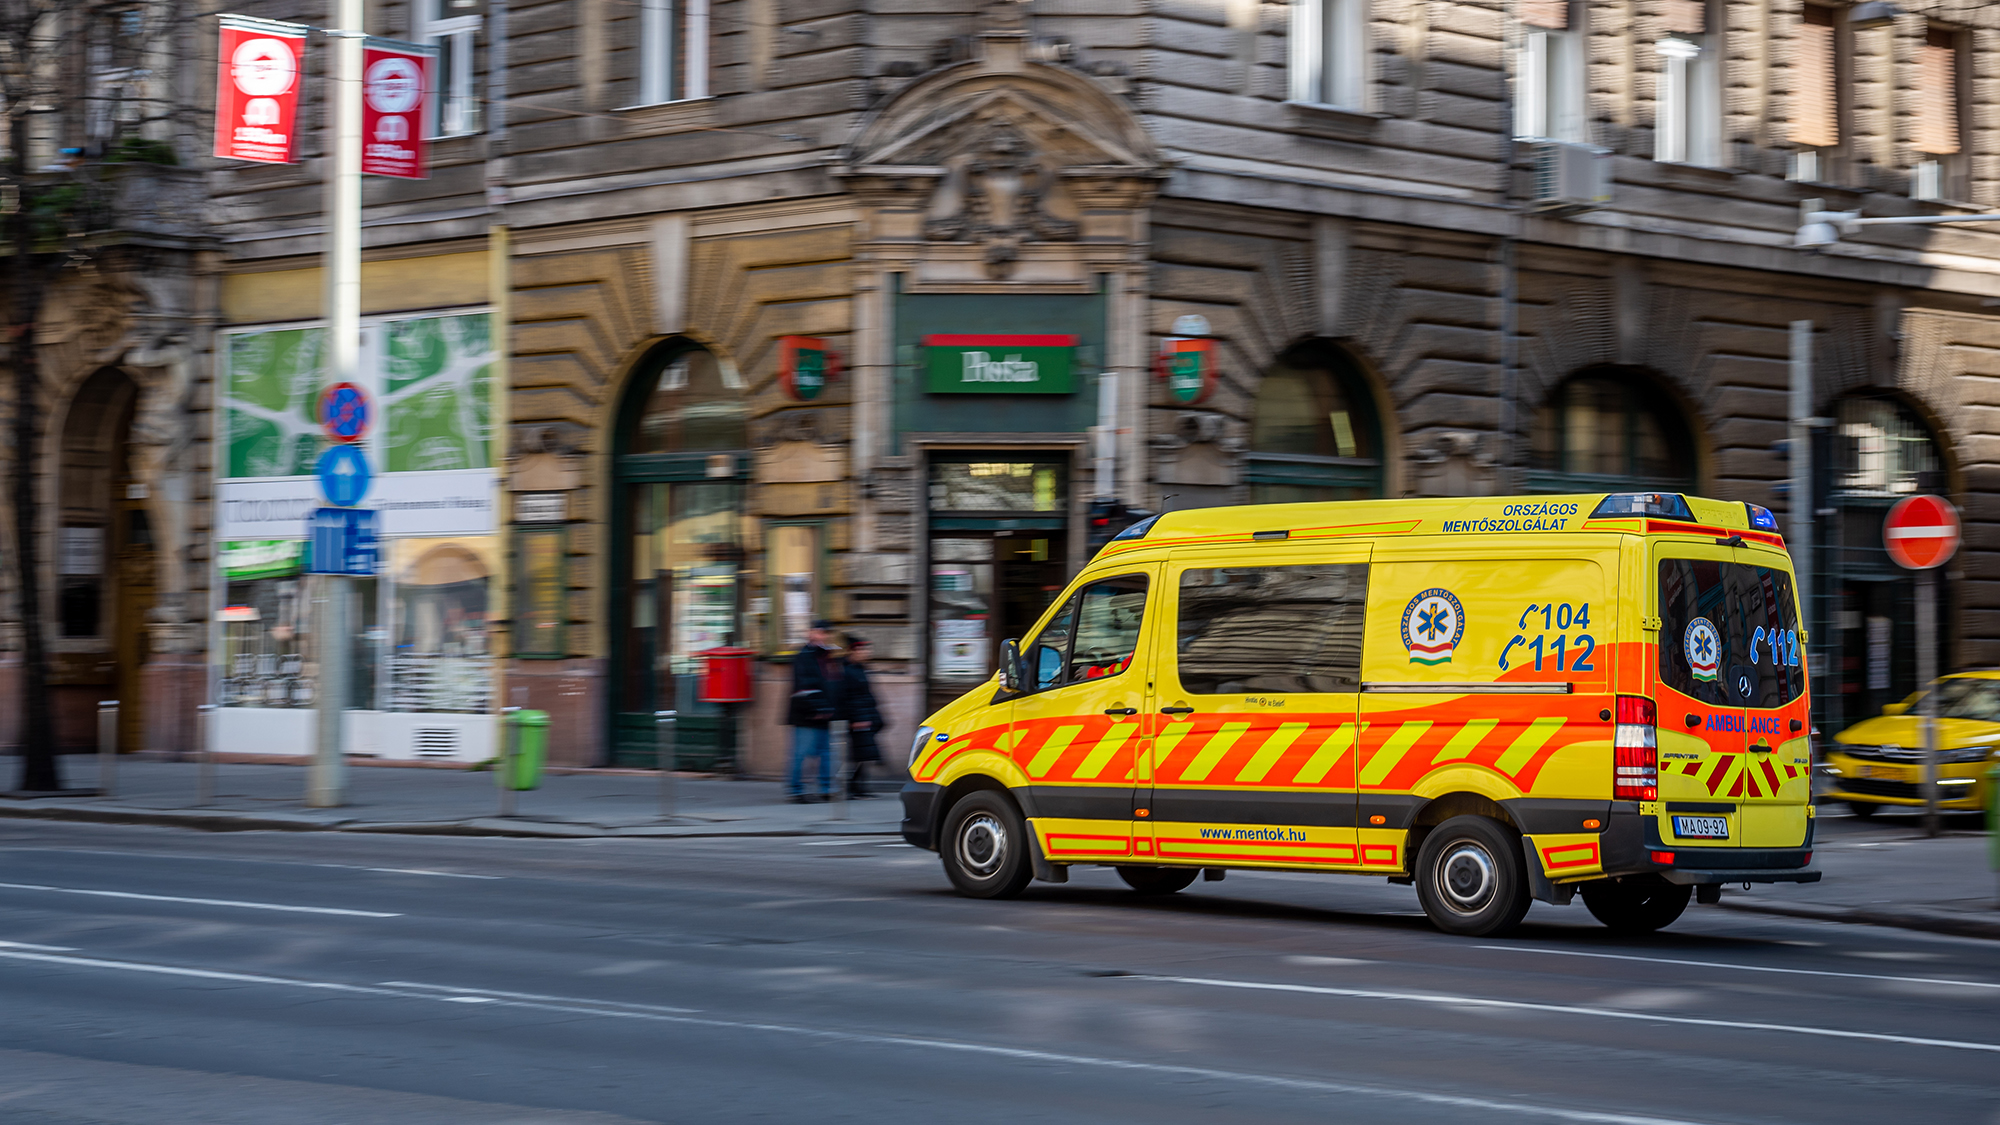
pixel 1609 431
pixel 1314 434
pixel 541 593
pixel 441 661
pixel 795 553
pixel 1330 52
pixel 997 486
pixel 80 569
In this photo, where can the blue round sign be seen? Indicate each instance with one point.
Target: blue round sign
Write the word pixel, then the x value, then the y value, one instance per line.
pixel 343 475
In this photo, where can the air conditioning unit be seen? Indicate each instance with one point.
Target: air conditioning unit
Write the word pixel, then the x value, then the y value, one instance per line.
pixel 1569 177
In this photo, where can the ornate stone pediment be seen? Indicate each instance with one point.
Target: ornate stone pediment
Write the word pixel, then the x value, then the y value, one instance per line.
pixel 998 161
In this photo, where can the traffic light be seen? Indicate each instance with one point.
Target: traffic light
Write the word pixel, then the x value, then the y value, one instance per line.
pixel 1108 517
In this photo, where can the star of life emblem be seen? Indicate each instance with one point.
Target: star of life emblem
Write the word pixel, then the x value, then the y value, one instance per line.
pixel 1703 645
pixel 1433 624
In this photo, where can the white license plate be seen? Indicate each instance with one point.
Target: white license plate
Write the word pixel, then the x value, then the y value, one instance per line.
pixel 1705 827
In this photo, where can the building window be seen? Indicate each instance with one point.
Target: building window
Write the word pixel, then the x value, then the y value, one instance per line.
pixel 453 25
pixel 1611 431
pixel 117 55
pixel 1549 83
pixel 1314 435
pixel 673 50
pixel 1330 53
pixel 1815 115
pixel 1688 129
pixel 1940 98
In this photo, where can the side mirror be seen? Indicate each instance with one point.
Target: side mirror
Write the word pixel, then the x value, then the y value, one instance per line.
pixel 1010 664
pixel 1896 709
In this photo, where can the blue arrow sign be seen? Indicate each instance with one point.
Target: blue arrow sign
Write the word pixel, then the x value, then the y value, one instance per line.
pixel 343 476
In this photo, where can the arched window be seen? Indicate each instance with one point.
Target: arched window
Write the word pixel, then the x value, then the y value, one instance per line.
pixel 1881 449
pixel 1609 430
pixel 1315 434
pixel 693 404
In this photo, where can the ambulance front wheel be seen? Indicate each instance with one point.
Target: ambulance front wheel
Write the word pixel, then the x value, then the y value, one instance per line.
pixel 985 846
pixel 1638 904
pixel 1471 879
pixel 1158 880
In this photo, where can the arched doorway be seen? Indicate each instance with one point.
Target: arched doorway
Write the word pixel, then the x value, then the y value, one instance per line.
pixel 1880 450
pixel 104 567
pixel 1315 434
pixel 678 582
pixel 1612 430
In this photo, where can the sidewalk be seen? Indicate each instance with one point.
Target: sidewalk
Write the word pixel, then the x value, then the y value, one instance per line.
pixel 450 802
pixel 1886 872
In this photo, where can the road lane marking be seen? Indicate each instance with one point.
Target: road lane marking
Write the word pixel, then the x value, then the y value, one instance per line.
pixel 202 901
pixel 1742 968
pixel 1023 1054
pixel 37 948
pixel 416 871
pixel 1567 1009
pixel 497 994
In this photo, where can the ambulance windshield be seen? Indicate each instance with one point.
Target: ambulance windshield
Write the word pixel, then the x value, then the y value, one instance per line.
pixel 1729 633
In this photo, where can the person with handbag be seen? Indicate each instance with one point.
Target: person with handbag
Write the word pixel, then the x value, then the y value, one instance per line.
pixel 864 716
pixel 818 680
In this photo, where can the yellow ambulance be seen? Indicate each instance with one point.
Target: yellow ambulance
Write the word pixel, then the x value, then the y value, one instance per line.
pixel 1497 699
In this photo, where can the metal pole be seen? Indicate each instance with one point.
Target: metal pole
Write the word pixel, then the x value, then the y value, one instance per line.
pixel 664 732
pixel 1927 705
pixel 326 779
pixel 326 783
pixel 837 750
pixel 107 746
pixel 510 734
pixel 204 717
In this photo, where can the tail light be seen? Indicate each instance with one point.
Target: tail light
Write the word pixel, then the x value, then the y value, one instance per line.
pixel 1635 753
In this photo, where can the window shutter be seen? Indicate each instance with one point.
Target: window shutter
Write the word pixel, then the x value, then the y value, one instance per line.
pixel 1685 17
pixel 1813 105
pixel 1937 94
pixel 1551 14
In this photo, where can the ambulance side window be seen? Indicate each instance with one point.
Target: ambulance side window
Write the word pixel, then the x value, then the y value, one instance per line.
pixel 1094 636
pixel 1272 628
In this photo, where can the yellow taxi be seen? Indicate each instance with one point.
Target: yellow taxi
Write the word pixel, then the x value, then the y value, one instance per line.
pixel 1880 761
pixel 1494 699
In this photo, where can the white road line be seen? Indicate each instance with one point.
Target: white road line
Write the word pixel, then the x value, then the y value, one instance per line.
pixel 497 993
pixel 1742 968
pixel 417 871
pixel 202 901
pixel 1570 1010
pixel 591 1008
pixel 39 948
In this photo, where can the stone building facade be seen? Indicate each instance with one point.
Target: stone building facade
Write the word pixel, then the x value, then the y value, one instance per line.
pixel 829 309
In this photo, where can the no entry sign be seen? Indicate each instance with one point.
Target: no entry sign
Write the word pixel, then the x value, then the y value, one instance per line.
pixel 1921 532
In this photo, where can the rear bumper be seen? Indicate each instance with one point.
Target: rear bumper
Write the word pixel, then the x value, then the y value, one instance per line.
pixel 1695 877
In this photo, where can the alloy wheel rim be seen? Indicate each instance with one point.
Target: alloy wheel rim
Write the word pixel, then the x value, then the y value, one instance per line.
pixel 982 844
pixel 1467 878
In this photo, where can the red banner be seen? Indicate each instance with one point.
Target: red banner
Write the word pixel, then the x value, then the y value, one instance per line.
pixel 257 89
pixel 397 85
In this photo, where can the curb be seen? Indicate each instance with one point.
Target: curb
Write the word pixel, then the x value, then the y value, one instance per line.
pixel 1909 918
pixel 478 826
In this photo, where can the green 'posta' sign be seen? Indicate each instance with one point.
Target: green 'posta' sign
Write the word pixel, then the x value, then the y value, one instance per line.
pixel 986 365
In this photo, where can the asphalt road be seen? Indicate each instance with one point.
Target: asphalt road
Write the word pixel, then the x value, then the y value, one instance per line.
pixel 170 977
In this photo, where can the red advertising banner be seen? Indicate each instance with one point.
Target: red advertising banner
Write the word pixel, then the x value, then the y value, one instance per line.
pixel 397 85
pixel 257 89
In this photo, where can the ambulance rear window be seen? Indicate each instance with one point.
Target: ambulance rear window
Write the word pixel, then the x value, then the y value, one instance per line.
pixel 1272 628
pixel 1729 633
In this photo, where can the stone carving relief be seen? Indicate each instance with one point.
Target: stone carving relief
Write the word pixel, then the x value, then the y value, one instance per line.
pixel 1001 193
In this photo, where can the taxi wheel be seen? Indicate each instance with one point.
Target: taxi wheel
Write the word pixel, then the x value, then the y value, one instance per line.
pixel 1158 880
pixel 1636 905
pixel 1863 809
pixel 1470 877
pixel 986 846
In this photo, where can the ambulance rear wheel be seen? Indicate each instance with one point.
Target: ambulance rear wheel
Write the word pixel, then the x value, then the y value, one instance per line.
pixel 1158 880
pixel 1636 905
pixel 1470 877
pixel 986 846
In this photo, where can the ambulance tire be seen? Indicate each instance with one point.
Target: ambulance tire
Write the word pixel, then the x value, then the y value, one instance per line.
pixel 985 846
pixel 1158 880
pixel 1471 878
pixel 1636 905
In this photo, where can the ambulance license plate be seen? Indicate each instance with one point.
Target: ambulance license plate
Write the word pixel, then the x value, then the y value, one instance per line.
pixel 1704 827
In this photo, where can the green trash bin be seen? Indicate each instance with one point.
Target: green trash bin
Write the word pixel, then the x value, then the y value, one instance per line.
pixel 529 732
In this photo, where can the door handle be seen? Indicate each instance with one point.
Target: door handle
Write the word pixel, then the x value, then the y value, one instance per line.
pixel 1121 710
pixel 1760 747
pixel 1176 710
pixel 1694 720
pixel 1797 725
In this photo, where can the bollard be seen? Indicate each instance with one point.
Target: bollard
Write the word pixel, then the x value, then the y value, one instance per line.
pixel 509 732
pixel 107 746
pixel 1993 818
pixel 204 717
pixel 837 750
pixel 664 746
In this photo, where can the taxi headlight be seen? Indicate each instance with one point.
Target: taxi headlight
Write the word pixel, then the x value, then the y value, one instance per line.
pixel 1966 754
pixel 917 743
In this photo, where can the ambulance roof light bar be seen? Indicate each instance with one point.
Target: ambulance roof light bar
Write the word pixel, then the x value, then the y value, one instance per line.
pixel 1662 505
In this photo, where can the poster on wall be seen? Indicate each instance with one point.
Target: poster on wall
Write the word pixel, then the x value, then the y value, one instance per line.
pixel 258 64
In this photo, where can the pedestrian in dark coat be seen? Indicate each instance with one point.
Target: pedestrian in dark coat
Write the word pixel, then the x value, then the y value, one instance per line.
pixel 864 715
pixel 818 680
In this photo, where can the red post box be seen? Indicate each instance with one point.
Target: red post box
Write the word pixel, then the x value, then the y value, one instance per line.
pixel 725 675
